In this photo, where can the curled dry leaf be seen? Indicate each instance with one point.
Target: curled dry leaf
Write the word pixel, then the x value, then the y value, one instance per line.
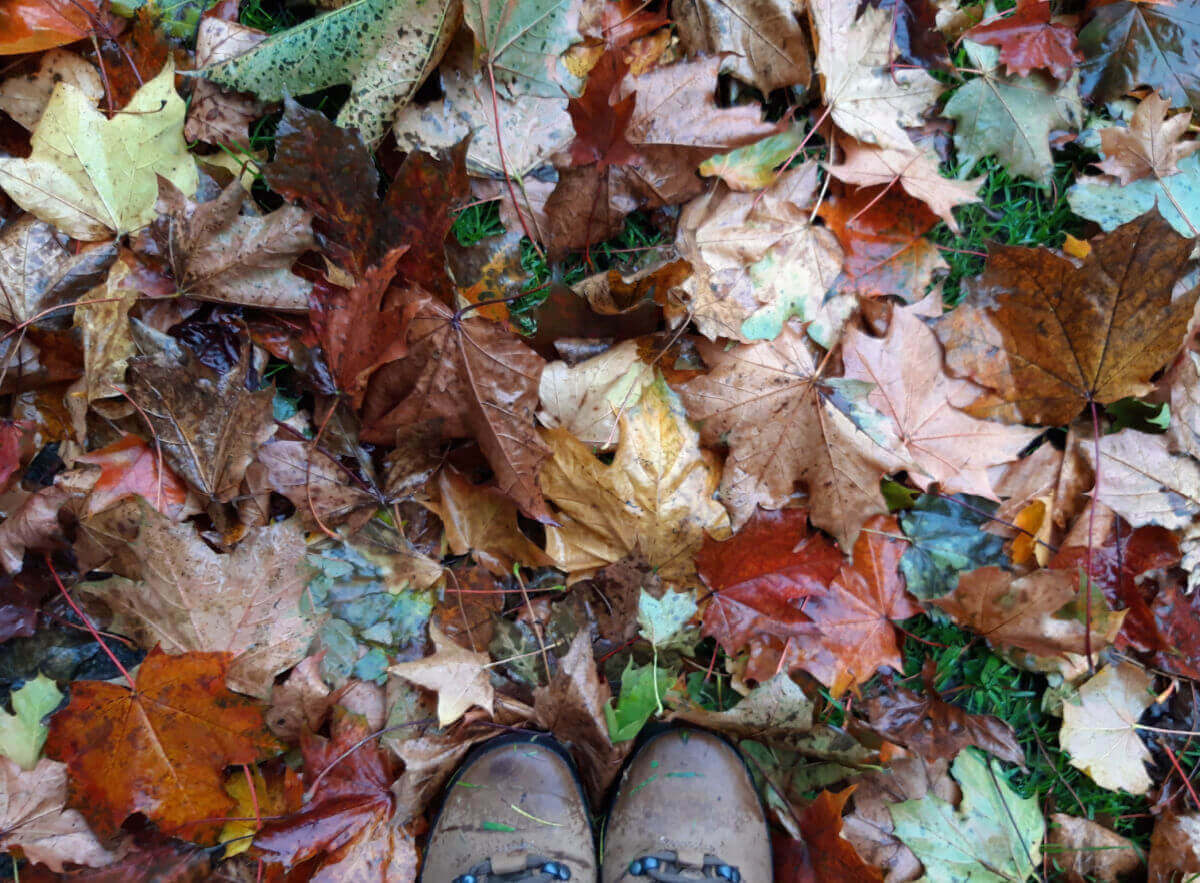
pixel 1050 336
pixel 176 732
pixel 1099 730
pixel 778 708
pixel 1175 847
pixel 316 484
pixel 654 499
pixel 245 603
pixel 832 856
pixel 41 275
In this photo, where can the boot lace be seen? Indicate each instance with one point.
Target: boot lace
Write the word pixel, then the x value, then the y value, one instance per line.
pixel 538 869
pixel 666 867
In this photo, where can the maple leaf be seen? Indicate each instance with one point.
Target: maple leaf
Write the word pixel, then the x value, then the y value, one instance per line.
pixel 1143 482
pixel 22 733
pixel 948 447
pixel 25 98
pixel 189 598
pixel 40 272
pixel 883 246
pixel 208 426
pixel 330 172
pixel 273 790
pixel 936 730
pixel 483 522
pixel 601 122
pixel 129 467
pixel 1099 731
pixel 1011 117
pixel 1031 613
pixel 784 425
pixel 383 49
pixel 762 580
pixel 1049 336
pixel 655 498
pixel 756 260
pixel 357 333
pixel 150 858
pixel 1150 146
pixel 477 379
pixel 915 169
pixel 107 341
pixel 916 38
pixel 763 38
pixel 34 818
pixel 168 741
pixel 832 856
pixel 1028 40
pixel 573 704
pixel 460 677
pixel 1128 44
pixel 92 177
pixel 36 25
pixel 868 98
pixel 519 43
pixel 1177 618
pixel 588 398
pixel 1086 850
pixel 215 252
pixel 348 818
pixel 317 485
pixel 674 126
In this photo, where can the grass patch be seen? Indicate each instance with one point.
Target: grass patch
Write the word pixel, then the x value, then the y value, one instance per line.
pixel 267 15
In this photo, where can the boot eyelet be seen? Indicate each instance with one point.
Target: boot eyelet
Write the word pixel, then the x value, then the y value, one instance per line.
pixel 636 869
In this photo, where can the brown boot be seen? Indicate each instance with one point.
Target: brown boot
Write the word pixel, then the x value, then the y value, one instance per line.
pixel 686 809
pixel 514 812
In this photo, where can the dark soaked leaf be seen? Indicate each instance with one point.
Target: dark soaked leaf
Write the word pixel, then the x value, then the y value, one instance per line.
pixel 1029 40
pixel 946 538
pixel 1127 45
pixel 39 270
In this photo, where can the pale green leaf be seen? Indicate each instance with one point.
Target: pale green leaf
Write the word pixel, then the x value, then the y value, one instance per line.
pixel 22 734
pixel 993 836
pixel 753 167
pixel 642 689
pixel 521 40
pixel 1111 205
pixel 1010 117
pixel 92 177
pixel 662 618
pixel 384 49
pixel 179 18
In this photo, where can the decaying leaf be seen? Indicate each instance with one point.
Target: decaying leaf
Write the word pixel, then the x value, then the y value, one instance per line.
pixel 1028 39
pixel 767 44
pixel 24 98
pixel 1085 850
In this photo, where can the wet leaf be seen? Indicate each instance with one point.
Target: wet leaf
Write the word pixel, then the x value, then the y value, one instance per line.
pixel 1099 728
pixel 764 38
pixel 22 733
pixel 460 677
pixel 1028 39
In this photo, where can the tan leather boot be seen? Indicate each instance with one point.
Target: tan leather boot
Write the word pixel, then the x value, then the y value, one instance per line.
pixel 513 813
pixel 686 810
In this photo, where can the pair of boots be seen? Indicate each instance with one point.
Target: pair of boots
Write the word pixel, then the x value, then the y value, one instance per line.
pixel 686 810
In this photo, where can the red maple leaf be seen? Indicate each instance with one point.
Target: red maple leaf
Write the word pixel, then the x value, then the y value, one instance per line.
pixel 1028 40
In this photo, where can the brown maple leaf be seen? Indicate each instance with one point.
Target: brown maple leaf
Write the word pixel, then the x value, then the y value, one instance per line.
pixel 762 40
pixel 1150 146
pixel 159 748
pixel 947 446
pixel 471 378
pixel 784 426
pixel 1029 40
pixel 460 677
pixel 1050 337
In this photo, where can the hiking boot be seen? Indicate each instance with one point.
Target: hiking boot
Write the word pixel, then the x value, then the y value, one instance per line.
pixel 686 809
pixel 514 813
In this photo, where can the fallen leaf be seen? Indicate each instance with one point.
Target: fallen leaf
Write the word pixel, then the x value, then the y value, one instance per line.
pixel 754 166
pixel 1028 39
pixel 833 857
pixel 917 33
pixel 479 380
pixel 1027 612
pixel 1150 146
pixel 91 176
pixel 777 708
pixel 1128 44
pixel 881 232
pixel 916 171
pixel 936 730
pixel 993 833
pixel 1174 848
pixel 482 521
pixel 1177 617
pixel 215 252
pixel 190 599
pixel 41 275
pixel 208 426
pixel 798 430
pixel 316 484
pixel 1088 851
pixel 587 399
pixel 642 689
pixel 261 792
pixel 655 498
pixel 1143 482
pixel 107 341
pixel 1102 199
pixel 34 818
pixel 758 260
pixel 572 705
pixel 22 733
pixel 36 25
pixel 459 677
pixel 175 735
pixel 948 447
pixel 382 49
pixel 131 468
pixel 519 43
pixel 24 98
pixel 1099 731
pixel 1011 117
pixel 151 859
pixel 214 114
pixel 869 99
pixel 764 38
pixel 34 524
pixel 1068 334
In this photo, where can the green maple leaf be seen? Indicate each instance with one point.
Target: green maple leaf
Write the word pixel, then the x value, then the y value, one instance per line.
pixel 661 619
pixel 22 734
pixel 515 38
pixel 642 689
pixel 993 836
pixel 1011 117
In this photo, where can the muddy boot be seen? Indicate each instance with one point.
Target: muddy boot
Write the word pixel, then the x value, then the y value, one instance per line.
pixel 513 813
pixel 686 810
